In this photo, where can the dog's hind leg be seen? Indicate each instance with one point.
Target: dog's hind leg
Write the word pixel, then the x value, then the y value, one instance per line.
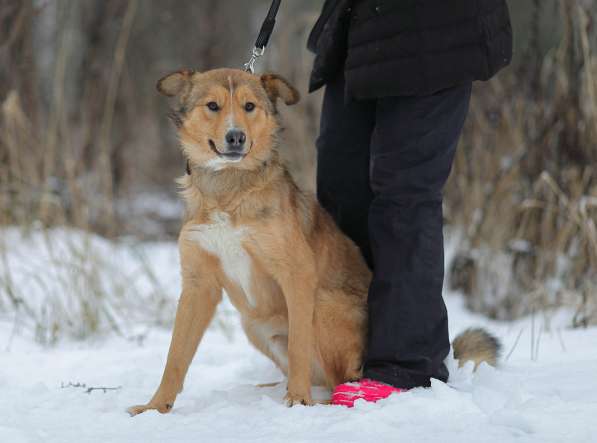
pixel 340 335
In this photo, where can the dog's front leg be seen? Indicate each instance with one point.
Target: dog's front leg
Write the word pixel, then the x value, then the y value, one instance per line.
pixel 299 291
pixel 196 308
pixel 194 313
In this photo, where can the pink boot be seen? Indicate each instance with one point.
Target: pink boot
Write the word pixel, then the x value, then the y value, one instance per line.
pixel 369 390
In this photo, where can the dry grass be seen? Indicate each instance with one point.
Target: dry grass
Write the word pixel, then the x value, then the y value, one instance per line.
pixel 524 187
pixel 64 283
pixel 45 175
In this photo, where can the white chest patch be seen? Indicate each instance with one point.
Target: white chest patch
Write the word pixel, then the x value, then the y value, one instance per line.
pixel 225 241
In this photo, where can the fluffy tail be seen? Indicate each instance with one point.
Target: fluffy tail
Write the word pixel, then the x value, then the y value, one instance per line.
pixel 476 345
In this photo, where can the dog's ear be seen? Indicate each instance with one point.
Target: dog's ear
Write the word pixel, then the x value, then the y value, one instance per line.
pixel 175 83
pixel 276 86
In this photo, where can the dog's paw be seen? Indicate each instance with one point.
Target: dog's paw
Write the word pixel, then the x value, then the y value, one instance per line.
pixel 292 399
pixel 161 408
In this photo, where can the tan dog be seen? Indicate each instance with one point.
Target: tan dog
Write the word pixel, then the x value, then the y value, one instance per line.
pixel 299 284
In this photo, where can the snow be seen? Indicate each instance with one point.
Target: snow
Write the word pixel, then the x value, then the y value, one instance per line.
pixel 545 389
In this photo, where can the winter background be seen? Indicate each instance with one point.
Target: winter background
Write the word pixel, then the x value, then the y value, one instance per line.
pixel 89 214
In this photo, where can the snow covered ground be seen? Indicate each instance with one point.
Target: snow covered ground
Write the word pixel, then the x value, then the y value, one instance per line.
pixel 546 392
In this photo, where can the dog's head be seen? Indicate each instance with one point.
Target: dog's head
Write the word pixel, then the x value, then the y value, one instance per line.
pixel 226 117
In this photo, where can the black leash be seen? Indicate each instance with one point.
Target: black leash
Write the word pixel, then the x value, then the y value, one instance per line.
pixel 267 28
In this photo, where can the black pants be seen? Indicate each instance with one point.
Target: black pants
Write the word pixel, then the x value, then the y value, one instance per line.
pixel 382 165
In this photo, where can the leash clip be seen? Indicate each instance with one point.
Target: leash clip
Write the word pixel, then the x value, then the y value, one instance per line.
pixel 255 54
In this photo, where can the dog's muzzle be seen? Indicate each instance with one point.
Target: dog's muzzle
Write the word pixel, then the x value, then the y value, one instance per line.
pixel 235 147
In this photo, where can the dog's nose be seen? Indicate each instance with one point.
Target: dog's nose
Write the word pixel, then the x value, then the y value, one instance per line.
pixel 235 138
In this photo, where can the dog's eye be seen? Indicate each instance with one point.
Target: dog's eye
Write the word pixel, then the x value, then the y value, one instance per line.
pixel 249 106
pixel 213 106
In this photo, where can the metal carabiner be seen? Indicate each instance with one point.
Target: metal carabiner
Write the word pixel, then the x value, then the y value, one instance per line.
pixel 255 54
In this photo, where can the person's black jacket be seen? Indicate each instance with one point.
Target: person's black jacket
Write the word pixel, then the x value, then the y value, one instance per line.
pixel 409 47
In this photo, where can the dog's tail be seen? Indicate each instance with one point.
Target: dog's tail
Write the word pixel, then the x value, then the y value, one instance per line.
pixel 476 345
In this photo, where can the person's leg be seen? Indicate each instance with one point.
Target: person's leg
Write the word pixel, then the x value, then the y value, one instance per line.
pixel 343 162
pixel 411 157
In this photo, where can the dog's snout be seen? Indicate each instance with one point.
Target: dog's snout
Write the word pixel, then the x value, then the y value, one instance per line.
pixel 235 138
